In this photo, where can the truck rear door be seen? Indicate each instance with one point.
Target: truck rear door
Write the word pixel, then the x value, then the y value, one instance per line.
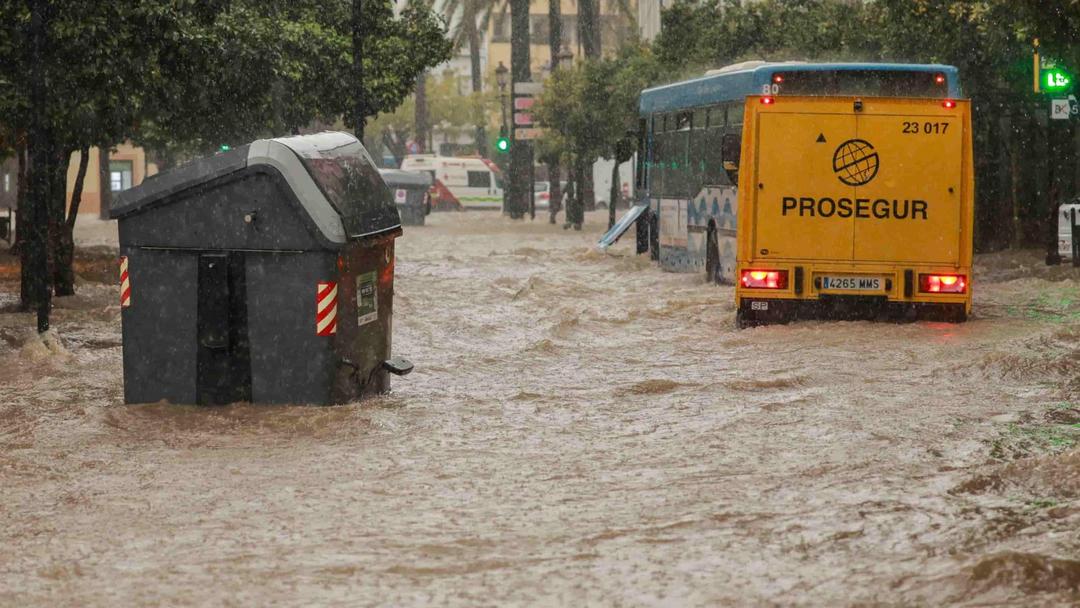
pixel 880 180
pixel 914 202
pixel 795 143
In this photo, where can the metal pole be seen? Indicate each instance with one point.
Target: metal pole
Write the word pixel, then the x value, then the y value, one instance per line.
pixel 40 145
pixel 1075 237
pixel 520 151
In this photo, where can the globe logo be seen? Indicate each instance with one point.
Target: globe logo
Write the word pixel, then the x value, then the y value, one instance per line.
pixel 855 162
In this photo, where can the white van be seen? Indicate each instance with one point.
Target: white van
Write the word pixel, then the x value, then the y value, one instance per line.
pixel 460 183
pixel 1064 229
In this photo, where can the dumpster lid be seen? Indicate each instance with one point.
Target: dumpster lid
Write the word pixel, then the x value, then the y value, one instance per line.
pixel 158 187
pixel 398 178
pixel 346 175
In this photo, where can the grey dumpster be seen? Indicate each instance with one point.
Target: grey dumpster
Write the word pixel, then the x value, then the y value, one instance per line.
pixel 411 194
pixel 262 274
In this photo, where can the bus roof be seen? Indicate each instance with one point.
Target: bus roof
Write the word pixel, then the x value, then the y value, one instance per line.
pixel 737 81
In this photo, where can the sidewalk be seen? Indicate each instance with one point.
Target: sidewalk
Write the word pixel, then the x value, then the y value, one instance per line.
pixel 93 232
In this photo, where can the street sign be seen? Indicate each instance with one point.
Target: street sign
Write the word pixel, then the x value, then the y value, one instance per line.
pixel 528 88
pixel 1060 109
pixel 528 133
pixel 1055 80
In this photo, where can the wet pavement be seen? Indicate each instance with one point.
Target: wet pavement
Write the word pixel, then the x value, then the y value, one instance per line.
pixel 581 429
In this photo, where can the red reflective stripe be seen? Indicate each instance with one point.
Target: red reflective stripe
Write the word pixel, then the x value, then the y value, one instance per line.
pixel 125 283
pixel 326 308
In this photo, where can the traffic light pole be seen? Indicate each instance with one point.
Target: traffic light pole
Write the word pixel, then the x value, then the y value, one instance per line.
pixel 520 151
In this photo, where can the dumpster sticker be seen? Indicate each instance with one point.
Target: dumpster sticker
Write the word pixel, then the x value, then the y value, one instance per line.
pixel 368 306
pixel 125 283
pixel 400 196
pixel 326 309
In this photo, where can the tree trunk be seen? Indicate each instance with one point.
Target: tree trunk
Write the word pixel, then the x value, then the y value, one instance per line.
pixel 555 43
pixel 421 115
pixel 20 191
pixel 57 207
pixel 393 143
pixel 520 190
pixel 64 270
pixel 359 107
pixel 589 28
pixel 35 271
pixel 554 178
pixel 104 181
pixel 477 77
pixel 575 212
pixel 614 194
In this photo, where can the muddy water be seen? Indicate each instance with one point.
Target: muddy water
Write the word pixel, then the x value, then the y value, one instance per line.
pixel 580 429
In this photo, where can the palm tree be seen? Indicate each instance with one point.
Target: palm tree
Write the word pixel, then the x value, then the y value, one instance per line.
pixel 468 18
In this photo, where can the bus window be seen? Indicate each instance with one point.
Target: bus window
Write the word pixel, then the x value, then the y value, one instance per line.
pixel 700 121
pixel 479 179
pixel 713 156
pixel 657 169
pixel 697 149
pixel 679 182
pixel 716 117
pixel 734 114
pixel 732 151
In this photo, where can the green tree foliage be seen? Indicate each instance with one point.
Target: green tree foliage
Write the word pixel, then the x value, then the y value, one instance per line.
pixel 447 109
pixel 589 110
pixel 185 76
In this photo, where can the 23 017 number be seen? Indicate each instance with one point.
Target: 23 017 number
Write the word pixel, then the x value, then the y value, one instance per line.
pixel 926 128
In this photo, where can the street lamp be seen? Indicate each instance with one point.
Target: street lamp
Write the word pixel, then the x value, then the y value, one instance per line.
pixel 500 79
pixel 500 76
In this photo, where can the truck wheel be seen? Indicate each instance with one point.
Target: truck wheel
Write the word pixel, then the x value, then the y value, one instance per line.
pixel 712 255
pixel 740 320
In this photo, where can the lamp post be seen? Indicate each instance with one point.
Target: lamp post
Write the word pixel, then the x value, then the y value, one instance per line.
pixel 503 143
pixel 500 78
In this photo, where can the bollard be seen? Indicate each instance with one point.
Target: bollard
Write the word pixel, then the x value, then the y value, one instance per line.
pixel 1075 238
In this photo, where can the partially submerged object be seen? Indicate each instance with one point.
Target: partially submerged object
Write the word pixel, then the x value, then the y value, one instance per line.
pixel 262 274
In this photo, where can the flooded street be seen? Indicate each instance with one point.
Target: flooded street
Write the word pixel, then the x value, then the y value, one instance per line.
pixel 581 429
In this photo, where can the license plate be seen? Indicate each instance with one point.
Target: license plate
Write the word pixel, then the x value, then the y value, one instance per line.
pixel 841 283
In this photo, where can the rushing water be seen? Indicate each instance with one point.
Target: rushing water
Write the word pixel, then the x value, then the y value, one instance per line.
pixel 581 428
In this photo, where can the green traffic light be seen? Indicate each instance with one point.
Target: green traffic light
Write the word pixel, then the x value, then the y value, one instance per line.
pixel 502 144
pixel 1056 79
pixel 225 147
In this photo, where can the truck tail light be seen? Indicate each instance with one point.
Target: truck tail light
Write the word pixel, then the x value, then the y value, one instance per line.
pixel 544 196
pixel 942 283
pixel 765 279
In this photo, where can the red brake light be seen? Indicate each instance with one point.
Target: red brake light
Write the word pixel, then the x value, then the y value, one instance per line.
pixel 948 104
pixel 778 78
pixel 768 101
pixel 544 196
pixel 942 283
pixel 764 279
pixel 939 78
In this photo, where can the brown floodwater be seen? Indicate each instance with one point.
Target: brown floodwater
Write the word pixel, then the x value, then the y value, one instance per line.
pixel 581 428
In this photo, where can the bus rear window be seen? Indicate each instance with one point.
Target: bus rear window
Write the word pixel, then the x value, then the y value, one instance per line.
pixel 872 83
